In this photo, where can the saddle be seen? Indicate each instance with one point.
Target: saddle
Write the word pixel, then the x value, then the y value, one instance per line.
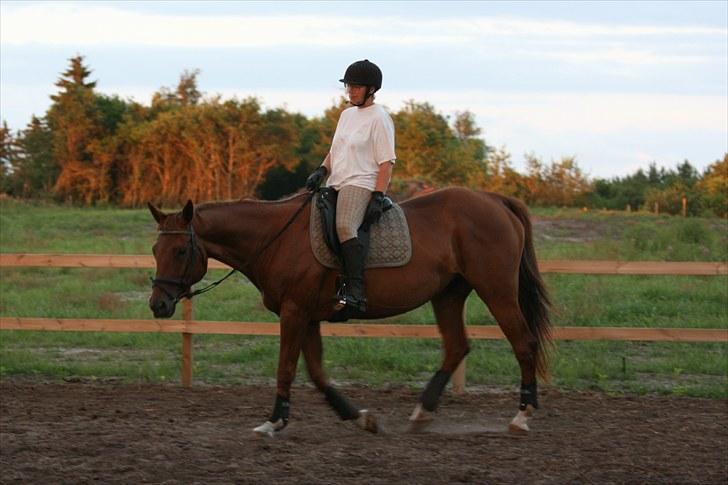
pixel 386 243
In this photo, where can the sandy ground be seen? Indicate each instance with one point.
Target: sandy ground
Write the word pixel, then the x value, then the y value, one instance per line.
pixel 121 433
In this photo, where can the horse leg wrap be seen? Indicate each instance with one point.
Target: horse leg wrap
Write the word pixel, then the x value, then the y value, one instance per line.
pixel 342 407
pixel 529 395
pixel 433 391
pixel 280 411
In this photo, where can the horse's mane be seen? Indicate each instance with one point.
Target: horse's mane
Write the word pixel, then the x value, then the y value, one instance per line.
pixel 220 203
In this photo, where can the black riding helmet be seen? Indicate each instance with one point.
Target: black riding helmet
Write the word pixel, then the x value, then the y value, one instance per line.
pixel 364 73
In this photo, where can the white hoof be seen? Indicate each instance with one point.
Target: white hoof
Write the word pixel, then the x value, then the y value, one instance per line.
pixel 421 415
pixel 519 424
pixel 367 421
pixel 268 429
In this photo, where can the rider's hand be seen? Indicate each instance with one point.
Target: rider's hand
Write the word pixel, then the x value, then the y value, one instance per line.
pixel 374 209
pixel 314 180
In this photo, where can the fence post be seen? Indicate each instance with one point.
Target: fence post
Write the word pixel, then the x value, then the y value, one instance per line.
pixel 187 344
pixel 684 206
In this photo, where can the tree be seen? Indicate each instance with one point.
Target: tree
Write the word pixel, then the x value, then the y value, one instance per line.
pixel 7 153
pixel 559 183
pixel 34 168
pixel 428 149
pixel 76 122
pixel 714 187
pixel 187 92
pixel 499 175
pixel 209 150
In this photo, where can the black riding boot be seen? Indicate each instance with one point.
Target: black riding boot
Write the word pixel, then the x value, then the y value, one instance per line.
pixel 353 256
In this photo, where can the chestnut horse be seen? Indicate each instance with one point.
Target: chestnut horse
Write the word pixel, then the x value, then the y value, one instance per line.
pixel 462 240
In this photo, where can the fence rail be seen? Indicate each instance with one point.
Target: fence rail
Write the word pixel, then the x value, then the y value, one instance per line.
pixel 698 268
pixel 187 326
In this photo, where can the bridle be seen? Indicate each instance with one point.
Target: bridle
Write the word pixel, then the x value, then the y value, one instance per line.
pixel 183 285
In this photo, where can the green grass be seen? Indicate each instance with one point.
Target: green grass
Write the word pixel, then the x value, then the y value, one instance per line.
pixel 635 236
pixel 693 369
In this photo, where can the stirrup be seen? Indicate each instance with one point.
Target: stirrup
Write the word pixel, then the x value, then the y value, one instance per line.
pixel 339 303
pixel 342 299
pixel 356 305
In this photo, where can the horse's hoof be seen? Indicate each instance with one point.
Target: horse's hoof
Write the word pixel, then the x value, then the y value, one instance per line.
pixel 519 424
pixel 367 421
pixel 519 430
pixel 420 419
pixel 421 415
pixel 268 429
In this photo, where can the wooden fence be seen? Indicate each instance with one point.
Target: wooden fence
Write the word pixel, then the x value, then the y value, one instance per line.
pixel 187 326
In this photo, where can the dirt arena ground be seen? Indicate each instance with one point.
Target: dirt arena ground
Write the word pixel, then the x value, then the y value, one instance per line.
pixel 114 433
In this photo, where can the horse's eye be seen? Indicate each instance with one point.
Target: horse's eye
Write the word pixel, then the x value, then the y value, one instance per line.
pixel 181 252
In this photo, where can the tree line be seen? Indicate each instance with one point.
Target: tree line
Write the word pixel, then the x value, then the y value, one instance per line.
pixel 92 148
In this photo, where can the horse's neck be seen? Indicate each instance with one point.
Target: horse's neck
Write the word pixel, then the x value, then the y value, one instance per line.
pixel 233 233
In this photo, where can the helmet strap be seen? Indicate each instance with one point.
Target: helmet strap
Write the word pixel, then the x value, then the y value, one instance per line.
pixel 370 92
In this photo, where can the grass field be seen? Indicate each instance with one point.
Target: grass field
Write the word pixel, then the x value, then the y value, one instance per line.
pixel 696 369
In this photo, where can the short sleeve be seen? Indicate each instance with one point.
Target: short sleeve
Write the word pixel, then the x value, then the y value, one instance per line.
pixel 383 139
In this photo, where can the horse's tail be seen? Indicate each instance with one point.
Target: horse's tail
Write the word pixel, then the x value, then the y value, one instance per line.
pixel 533 297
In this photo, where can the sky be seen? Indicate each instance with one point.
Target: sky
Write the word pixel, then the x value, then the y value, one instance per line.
pixel 618 85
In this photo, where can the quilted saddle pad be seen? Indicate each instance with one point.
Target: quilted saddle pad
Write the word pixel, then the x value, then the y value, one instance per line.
pixel 390 244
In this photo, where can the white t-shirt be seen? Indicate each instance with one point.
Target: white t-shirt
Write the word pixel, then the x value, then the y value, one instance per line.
pixel 364 139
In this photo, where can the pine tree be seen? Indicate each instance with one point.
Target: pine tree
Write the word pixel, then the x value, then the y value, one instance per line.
pixel 75 121
pixel 34 168
pixel 7 149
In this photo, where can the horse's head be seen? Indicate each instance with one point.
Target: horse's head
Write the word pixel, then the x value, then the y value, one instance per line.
pixel 181 260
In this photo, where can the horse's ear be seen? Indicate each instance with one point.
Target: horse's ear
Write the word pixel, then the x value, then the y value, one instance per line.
pixel 158 215
pixel 188 211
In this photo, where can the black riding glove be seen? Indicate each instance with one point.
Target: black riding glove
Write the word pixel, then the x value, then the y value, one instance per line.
pixel 314 180
pixel 374 209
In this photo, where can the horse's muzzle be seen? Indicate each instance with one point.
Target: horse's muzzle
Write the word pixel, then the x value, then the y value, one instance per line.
pixel 162 307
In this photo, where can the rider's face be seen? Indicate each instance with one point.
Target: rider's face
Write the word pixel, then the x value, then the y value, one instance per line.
pixel 356 93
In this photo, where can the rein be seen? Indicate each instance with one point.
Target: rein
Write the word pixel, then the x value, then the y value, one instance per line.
pixel 182 284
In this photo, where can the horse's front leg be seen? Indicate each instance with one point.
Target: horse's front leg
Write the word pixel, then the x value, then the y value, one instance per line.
pixel 293 331
pixel 449 312
pixel 313 353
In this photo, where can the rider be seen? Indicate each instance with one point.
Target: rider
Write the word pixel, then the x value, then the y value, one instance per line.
pixel 359 165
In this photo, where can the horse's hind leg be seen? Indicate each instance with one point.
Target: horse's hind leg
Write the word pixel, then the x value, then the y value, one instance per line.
pixel 502 300
pixel 313 353
pixel 448 307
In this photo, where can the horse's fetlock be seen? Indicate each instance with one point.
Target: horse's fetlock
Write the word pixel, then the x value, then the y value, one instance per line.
pixel 342 407
pixel 433 391
pixel 529 396
pixel 281 410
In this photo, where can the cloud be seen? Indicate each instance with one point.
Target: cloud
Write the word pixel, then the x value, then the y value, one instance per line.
pixel 59 24
pixel 561 114
pixel 81 25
